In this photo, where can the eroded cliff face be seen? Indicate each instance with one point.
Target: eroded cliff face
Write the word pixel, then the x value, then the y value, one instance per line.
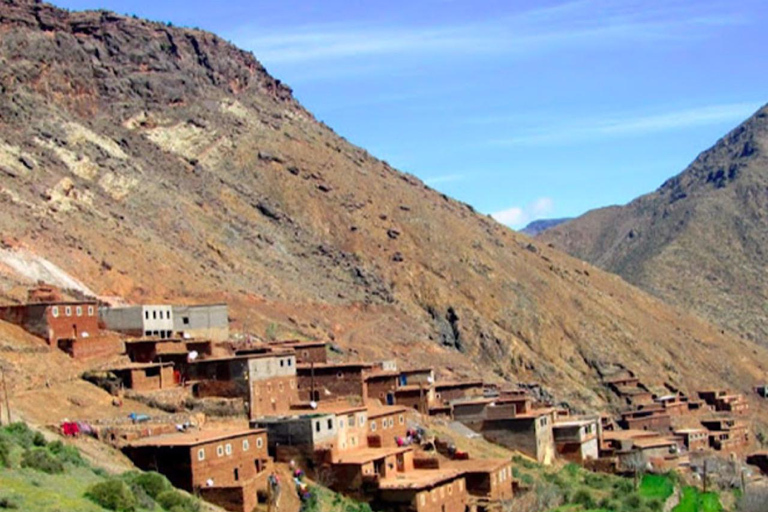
pixel 159 163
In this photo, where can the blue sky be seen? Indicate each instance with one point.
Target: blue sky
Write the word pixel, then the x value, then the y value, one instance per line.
pixel 524 109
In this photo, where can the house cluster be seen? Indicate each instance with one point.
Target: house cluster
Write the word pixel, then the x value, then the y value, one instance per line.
pixel 663 426
pixel 354 426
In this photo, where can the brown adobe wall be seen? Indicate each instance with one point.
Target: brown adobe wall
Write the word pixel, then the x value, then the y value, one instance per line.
pixel 273 396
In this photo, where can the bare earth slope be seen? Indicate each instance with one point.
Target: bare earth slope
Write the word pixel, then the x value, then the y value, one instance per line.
pixel 164 164
pixel 700 241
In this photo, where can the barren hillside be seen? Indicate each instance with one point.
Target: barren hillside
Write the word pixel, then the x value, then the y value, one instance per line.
pixel 700 241
pixel 160 163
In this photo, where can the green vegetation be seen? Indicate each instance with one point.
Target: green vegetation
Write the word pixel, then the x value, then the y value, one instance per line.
pixel 51 477
pixel 693 500
pixel 322 499
pixel 657 487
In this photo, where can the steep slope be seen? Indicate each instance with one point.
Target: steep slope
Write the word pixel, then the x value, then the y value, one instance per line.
pixel 700 241
pixel 160 164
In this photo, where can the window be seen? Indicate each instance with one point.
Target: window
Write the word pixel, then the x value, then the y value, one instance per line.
pixel 79 310
pixel 154 315
pixel 90 310
pixel 317 426
pixel 147 333
pixel 237 474
pixel 185 320
pixel 246 445
pixel 373 426
pixel 146 315
pixel 351 420
pixel 362 420
pixel 330 424
pixel 341 423
pixel 305 354
pixel 220 451
pixel 391 422
pixel 401 419
pixel 282 363
pixel 339 375
pixel 290 361
pixel 259 442
pixel 55 311
pixel 201 454
pixel 68 310
pixel 228 449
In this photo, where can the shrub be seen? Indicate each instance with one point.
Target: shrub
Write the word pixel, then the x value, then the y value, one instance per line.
pixel 21 434
pixel 112 494
pixel 154 484
pixel 622 487
pixel 655 504
pixel 9 503
pixel 5 453
pixel 177 502
pixel 527 479
pixel 633 502
pixel 41 459
pixel 609 504
pixel 584 498
pixel 596 480
pixel 66 454
pixel 571 469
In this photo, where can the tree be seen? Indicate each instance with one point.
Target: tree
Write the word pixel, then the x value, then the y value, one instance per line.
pixel 637 464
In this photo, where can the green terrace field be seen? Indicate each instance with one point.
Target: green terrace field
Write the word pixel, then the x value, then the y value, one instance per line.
pixel 693 500
pixel 39 476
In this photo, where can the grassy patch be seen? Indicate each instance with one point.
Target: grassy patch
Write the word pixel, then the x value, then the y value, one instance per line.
pixel 656 487
pixel 693 500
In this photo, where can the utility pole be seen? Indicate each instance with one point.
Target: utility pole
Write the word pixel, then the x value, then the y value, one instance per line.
pixel 312 381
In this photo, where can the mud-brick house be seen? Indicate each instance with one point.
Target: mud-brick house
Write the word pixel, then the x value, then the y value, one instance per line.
pixel 143 320
pixel 266 381
pixel 674 405
pixel 359 472
pixel 146 376
pixel 723 401
pixel 727 434
pixel 647 417
pixel 489 482
pixel 694 439
pixel 331 381
pixel 306 351
pixel 54 321
pixel 416 396
pixel 226 467
pixel 152 350
pixel 385 425
pixel 662 453
pixel 299 437
pixel 577 440
pixel 205 321
pixel 428 490
pixel 380 386
pixel 416 376
pixel 530 433
pixel 446 392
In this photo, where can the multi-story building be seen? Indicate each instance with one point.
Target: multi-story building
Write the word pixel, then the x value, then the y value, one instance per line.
pixel 137 321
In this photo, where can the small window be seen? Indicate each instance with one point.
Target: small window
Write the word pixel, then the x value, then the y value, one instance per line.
pixel 401 419
pixel 259 442
pixel 351 420
pixel 146 315
pixel 290 361
pixel 391 422
pixel 305 354
pixel 373 426
pixel 339 375
pixel 201 454
pixel 282 363
pixel 90 310
pixel 341 423
pixel 330 424
pixel 362 420
pixel 317 426
pixel 154 315
pixel 68 311
pixel 185 320
pixel 228 449
pixel 55 311
pixel 246 445
pixel 79 310
pixel 147 333
pixel 220 451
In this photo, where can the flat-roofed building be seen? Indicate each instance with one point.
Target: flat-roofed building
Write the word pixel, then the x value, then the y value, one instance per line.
pixel 489 482
pixel 145 376
pixel 205 321
pixel 427 490
pixel 577 440
pixel 386 424
pixel 331 381
pixel 205 460
pixel 143 320
pixel 694 439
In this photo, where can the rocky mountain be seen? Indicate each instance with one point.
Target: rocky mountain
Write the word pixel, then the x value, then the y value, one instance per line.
pixel 537 227
pixel 700 241
pixel 163 164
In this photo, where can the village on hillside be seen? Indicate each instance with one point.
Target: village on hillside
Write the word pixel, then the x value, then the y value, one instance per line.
pixel 359 427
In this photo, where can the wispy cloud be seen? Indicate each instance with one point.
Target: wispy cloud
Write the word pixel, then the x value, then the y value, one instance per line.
pixel 519 216
pixel 568 23
pixel 627 125
pixel 445 178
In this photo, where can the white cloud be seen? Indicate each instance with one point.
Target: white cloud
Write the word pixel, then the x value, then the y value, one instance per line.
pixel 623 126
pixel 517 216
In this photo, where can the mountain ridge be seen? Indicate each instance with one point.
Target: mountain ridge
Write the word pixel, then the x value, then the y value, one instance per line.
pixel 698 241
pixel 162 164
